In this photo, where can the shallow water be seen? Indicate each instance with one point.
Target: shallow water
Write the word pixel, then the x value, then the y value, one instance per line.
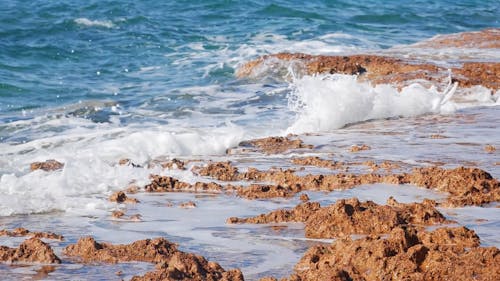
pixel 96 81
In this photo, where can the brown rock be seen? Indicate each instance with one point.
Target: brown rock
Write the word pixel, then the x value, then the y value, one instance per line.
pixel 351 216
pixel 304 197
pixel 483 39
pixel 121 197
pixel 172 264
pixel 169 184
pixel 317 162
pixel 275 145
pixel 490 148
pixel 174 164
pixel 187 205
pixel 49 165
pixel 32 250
pixel 18 232
pixel 401 256
pixel 128 162
pixel 259 191
pixel 467 186
pixel 298 214
pixel 357 148
pixel 117 214
pixel 384 69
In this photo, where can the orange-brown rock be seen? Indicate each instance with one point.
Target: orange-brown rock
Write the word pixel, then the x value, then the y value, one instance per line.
pixel 467 186
pixel 378 69
pixel 187 205
pixel 168 184
pixel 400 256
pixel 172 264
pixel 117 214
pixel 317 162
pixel 304 197
pixel 275 145
pixel 49 165
pixel 32 250
pixel 490 148
pixel 298 214
pixel 351 216
pixel 128 162
pixel 357 148
pixel 121 197
pixel 483 39
pixel 19 232
pixel 149 250
pixel 174 164
pixel 261 191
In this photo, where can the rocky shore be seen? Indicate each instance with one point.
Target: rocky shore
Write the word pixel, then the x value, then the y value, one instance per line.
pixel 391 241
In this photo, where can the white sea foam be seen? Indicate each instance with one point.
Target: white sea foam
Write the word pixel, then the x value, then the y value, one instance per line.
pixel 99 23
pixel 328 102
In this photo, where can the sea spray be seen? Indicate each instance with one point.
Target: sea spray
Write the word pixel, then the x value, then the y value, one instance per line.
pixel 329 102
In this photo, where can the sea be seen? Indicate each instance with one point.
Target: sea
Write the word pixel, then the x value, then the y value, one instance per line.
pixel 88 83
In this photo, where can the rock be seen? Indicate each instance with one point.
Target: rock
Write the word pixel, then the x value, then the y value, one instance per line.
pixel 32 250
pixel 490 148
pixel 304 197
pixel 121 197
pixel 171 264
pixel 18 232
pixel 49 165
pixel 357 148
pixel 275 145
pixel 318 162
pixel 187 205
pixel 347 217
pixel 400 256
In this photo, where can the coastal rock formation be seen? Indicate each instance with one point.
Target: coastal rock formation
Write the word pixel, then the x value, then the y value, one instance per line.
pixel 351 216
pixel 466 186
pixel 391 70
pixel 275 145
pixel 171 264
pixel 318 162
pixel 483 39
pixel 168 184
pixel 32 250
pixel 406 254
pixel 19 232
pixel 121 197
pixel 48 165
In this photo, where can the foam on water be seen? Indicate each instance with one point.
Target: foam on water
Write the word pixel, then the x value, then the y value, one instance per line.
pixel 99 23
pixel 329 102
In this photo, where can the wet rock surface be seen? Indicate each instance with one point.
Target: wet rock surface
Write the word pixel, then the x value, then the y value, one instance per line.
pixel 466 186
pixel 274 145
pixel 48 165
pixel 351 216
pixel 19 232
pixel 406 254
pixel 391 70
pixel 121 197
pixel 171 264
pixel 32 250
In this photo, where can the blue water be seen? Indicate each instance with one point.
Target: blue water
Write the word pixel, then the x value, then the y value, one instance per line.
pixel 142 54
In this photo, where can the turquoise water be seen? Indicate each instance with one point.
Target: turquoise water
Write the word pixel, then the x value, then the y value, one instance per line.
pixel 90 82
pixel 141 54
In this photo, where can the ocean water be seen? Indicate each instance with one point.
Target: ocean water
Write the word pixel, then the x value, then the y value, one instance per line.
pixel 90 82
